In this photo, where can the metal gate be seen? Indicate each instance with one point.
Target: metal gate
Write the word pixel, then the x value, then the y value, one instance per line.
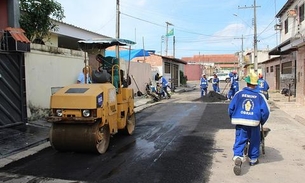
pixel 12 89
pixel 174 75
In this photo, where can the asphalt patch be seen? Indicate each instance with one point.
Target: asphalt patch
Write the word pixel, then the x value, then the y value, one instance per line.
pixel 212 97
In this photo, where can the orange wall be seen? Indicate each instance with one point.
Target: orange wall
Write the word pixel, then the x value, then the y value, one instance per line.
pixel 153 60
pixel 193 72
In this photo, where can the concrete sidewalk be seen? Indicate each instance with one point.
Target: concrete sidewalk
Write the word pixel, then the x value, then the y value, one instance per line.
pixel 283 160
pixel 288 105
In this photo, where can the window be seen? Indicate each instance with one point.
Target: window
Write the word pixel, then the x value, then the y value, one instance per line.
pixel 287 68
pixel 167 68
pixel 271 68
pixel 267 69
pixel 301 13
pixel 286 26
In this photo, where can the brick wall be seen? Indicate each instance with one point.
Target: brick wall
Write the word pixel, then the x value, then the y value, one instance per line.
pixel 193 72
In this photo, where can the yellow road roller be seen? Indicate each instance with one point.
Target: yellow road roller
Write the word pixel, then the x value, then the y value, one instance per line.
pixel 84 116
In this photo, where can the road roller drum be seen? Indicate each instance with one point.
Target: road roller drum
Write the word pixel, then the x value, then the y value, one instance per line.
pixel 80 137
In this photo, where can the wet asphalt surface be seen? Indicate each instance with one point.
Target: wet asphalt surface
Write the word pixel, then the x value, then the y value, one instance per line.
pixel 173 142
pixel 23 134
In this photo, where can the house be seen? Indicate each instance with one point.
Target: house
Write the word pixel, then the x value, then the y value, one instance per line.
pixel 289 65
pixel 271 72
pixel 173 69
pixel 210 64
pixel 248 64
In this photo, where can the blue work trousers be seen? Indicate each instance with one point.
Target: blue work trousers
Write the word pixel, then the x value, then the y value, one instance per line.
pixel 231 93
pixel 216 88
pixel 204 91
pixel 243 135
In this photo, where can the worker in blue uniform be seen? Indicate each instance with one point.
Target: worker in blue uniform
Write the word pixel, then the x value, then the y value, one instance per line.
pixel 215 83
pixel 230 93
pixel 248 110
pixel 263 86
pixel 234 84
pixel 203 85
pixel 165 85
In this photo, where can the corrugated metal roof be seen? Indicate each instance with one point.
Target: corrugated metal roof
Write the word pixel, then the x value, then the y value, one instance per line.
pixel 18 34
pixel 174 60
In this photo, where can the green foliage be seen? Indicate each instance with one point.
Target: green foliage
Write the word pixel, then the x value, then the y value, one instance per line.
pixel 183 78
pixel 36 17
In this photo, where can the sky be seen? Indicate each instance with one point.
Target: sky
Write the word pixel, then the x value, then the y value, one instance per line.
pixel 201 27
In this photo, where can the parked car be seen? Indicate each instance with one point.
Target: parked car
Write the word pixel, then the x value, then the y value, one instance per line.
pixel 222 77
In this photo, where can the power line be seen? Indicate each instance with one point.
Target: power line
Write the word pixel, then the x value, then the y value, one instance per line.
pixel 176 28
pixel 143 20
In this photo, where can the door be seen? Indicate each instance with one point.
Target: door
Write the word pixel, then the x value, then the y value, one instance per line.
pixel 277 77
pixel 174 76
pixel 12 89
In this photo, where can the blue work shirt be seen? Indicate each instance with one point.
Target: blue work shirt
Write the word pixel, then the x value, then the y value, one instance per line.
pixel 203 83
pixel 248 107
pixel 164 82
pixel 81 78
pixel 262 85
pixel 215 81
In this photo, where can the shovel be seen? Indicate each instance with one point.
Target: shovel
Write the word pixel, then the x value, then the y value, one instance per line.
pixel 139 93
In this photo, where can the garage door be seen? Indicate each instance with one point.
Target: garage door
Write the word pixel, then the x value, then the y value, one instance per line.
pixel 12 89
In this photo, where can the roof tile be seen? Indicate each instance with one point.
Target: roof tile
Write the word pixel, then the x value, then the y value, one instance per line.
pixel 18 34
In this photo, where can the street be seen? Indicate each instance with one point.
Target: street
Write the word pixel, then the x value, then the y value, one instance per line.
pixel 173 142
pixel 182 139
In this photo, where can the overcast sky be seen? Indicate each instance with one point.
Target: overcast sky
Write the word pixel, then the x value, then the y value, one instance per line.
pixel 200 26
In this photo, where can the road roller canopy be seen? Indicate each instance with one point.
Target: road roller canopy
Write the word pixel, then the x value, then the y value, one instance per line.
pixel 103 43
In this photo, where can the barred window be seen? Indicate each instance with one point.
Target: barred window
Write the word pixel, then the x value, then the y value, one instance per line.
pixel 167 68
pixel 301 13
pixel 287 68
pixel 286 26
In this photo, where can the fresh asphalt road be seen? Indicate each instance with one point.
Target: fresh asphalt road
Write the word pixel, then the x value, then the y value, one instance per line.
pixel 173 142
pixel 181 140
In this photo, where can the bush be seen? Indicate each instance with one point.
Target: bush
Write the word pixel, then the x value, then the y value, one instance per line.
pixel 183 78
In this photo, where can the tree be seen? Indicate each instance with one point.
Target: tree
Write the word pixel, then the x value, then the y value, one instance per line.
pixel 37 16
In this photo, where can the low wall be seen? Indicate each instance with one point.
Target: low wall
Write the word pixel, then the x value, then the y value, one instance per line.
pixel 49 68
pixel 142 74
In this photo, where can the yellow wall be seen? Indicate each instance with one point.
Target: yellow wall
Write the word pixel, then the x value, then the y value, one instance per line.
pixel 52 40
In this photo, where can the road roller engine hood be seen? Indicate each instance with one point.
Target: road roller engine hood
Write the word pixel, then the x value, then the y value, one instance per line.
pixel 82 102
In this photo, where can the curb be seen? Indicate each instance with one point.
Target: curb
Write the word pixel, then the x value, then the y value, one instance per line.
pixel 23 154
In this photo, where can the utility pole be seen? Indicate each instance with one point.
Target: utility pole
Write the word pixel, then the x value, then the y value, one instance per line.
pixel 162 41
pixel 242 51
pixel 117 32
pixel 255 33
pixel 174 44
pixel 166 37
